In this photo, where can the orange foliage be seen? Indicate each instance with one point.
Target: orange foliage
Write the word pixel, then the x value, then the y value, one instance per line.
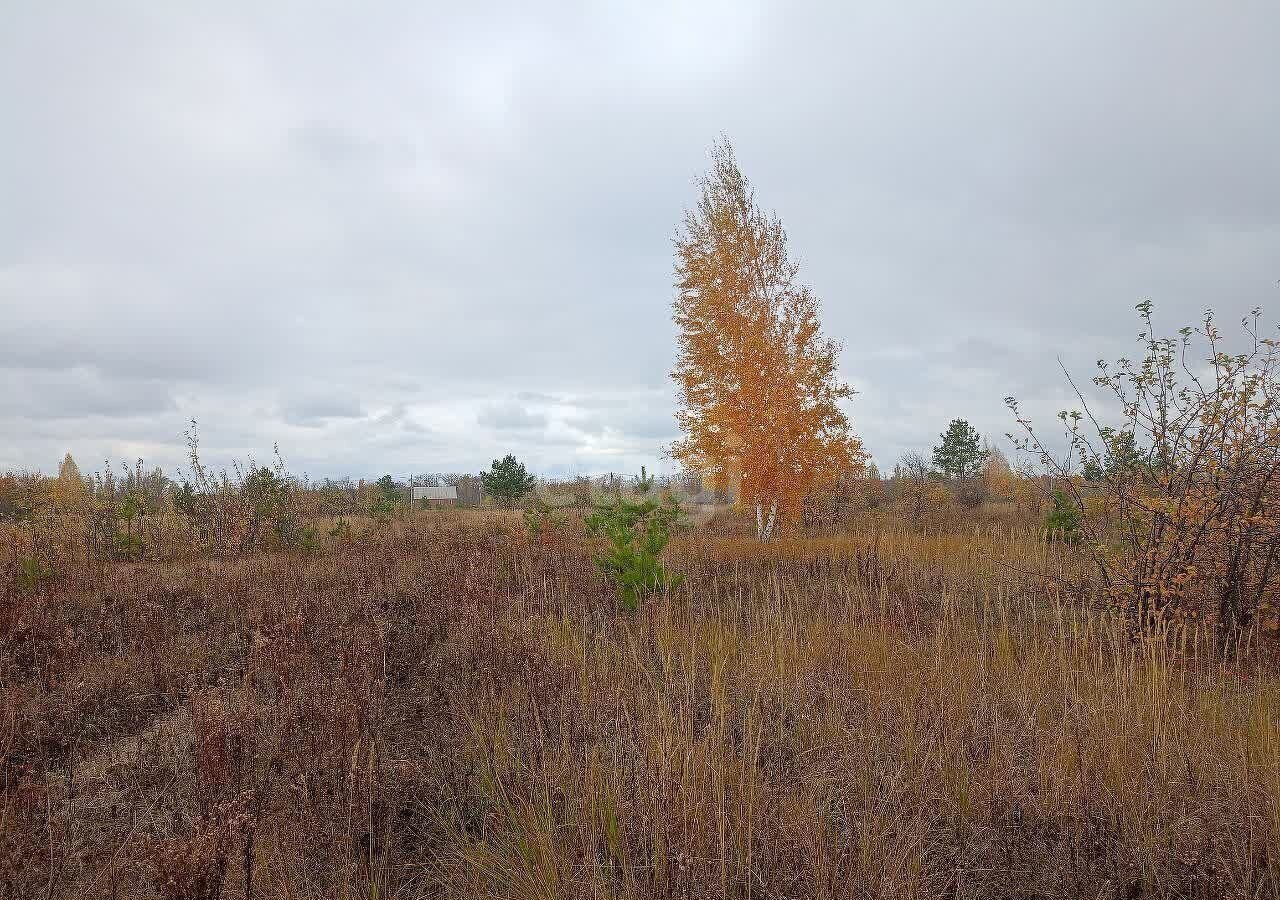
pixel 997 475
pixel 757 380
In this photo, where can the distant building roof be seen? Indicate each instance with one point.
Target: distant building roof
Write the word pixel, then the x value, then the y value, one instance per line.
pixel 435 493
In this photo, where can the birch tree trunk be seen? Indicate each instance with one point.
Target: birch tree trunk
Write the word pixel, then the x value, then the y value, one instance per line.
pixel 764 527
pixel 773 517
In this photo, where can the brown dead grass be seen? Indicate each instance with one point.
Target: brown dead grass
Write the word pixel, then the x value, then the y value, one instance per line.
pixel 439 709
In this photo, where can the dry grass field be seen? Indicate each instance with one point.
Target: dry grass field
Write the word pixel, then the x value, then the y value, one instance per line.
pixel 493 491
pixel 441 707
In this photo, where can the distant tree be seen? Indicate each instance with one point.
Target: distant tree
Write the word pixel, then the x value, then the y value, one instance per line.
pixel 960 455
pixel 69 471
pixel 387 500
pixel 390 490
pixel 267 497
pixel 507 480
pixel 997 474
pixel 21 495
pixel 69 488
pixel 1091 469
pixel 875 492
pixel 1123 455
pixel 912 467
pixel 1119 456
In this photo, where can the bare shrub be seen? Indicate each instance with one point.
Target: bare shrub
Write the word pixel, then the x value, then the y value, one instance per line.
pixel 970 492
pixel 1183 517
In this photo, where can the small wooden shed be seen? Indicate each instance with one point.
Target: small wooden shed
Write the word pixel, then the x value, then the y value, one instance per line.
pixel 436 496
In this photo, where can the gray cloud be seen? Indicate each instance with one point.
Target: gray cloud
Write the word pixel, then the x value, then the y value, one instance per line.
pixel 447 217
pixel 78 393
pixel 511 416
pixel 317 409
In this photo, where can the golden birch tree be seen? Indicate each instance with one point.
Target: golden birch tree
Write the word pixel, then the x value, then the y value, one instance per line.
pixel 757 382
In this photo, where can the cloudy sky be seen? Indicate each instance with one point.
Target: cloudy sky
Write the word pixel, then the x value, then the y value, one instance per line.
pixel 411 236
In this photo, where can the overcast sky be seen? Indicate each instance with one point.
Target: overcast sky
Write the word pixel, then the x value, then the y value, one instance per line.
pixel 411 237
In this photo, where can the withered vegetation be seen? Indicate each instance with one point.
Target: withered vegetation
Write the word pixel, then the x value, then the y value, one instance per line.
pixel 447 704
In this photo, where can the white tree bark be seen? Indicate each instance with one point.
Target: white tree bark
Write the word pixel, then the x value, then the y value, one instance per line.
pixel 764 527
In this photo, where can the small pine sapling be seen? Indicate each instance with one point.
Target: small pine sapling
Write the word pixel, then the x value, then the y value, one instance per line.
pixel 542 521
pixel 1063 520
pixel 644 483
pixel 386 501
pixel 637 533
pixel 32 572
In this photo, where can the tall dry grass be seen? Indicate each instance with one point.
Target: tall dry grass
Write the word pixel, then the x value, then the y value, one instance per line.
pixel 438 708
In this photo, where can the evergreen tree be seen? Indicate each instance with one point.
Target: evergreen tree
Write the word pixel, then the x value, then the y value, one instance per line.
pixel 1091 469
pixel 1062 523
pixel 390 490
pixel 960 455
pixel 644 483
pixel 387 500
pixel 637 533
pixel 1123 455
pixel 507 480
